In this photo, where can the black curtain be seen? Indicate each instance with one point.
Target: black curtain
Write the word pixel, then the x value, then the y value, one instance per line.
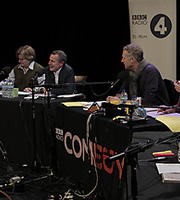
pixel 92 36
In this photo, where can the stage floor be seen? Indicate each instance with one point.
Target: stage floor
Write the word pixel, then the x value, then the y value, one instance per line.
pixel 37 184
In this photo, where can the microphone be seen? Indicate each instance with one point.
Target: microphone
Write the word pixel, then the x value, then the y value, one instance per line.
pixel 122 76
pixel 5 72
pixel 114 83
pixel 39 73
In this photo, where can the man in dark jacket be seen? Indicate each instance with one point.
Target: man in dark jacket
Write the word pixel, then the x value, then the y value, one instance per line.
pixel 143 79
pixel 58 72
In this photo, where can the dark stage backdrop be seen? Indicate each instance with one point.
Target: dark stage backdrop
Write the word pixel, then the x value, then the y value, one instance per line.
pixel 92 37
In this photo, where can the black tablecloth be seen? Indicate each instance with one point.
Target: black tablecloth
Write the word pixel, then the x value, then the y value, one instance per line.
pixel 75 154
pixel 107 137
pixel 76 160
pixel 17 132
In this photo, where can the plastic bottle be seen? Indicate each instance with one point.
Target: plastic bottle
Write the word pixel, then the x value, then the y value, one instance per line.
pixel 4 88
pixel 123 96
pixel 178 153
pixel 10 89
pixel 134 100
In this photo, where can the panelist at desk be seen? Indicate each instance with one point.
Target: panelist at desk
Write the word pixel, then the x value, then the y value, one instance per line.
pixel 58 72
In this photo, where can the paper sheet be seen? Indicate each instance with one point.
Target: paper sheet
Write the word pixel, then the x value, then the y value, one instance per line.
pixel 81 104
pixel 170 172
pixel 172 121
pixel 168 167
pixel 73 104
pixel 69 95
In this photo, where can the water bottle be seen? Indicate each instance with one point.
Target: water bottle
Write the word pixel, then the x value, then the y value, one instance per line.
pixel 178 153
pixel 4 88
pixel 10 89
pixel 134 100
pixel 123 96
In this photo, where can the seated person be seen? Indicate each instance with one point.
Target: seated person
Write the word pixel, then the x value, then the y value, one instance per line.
pixel 177 106
pixel 143 79
pixel 58 72
pixel 27 68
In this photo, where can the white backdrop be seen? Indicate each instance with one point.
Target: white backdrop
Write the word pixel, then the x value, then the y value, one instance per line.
pixel 153 27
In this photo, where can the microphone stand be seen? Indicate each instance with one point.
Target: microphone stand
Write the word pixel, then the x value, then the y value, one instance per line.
pixel 48 88
pixel 34 123
pixel 112 84
pixel 68 84
pixel 132 152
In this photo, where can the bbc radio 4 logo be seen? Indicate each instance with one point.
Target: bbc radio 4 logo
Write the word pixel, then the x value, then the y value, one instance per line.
pixel 160 26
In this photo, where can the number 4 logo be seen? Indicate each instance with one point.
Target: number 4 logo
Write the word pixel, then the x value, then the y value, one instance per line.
pixel 160 26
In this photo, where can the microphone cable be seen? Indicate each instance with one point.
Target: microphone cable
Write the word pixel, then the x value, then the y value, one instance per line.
pixel 107 91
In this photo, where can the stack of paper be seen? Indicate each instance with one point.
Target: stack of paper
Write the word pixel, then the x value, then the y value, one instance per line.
pixel 170 172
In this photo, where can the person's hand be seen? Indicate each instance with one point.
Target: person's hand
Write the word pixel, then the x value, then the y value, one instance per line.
pixel 112 98
pixel 44 91
pixel 163 110
pixel 28 90
pixel 177 86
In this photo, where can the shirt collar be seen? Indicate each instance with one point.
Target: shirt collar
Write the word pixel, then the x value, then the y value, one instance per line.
pixel 57 72
pixel 31 66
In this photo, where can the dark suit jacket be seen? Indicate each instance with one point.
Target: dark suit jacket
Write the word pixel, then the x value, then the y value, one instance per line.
pixel 66 75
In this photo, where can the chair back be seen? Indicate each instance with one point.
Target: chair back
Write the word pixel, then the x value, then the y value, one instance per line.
pixel 173 94
pixel 80 79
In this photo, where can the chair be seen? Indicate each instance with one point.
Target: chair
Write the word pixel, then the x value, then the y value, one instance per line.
pixel 80 79
pixel 173 94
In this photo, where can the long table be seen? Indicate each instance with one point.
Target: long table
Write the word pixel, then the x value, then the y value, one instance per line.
pixel 24 135
pixel 107 138
pixel 82 149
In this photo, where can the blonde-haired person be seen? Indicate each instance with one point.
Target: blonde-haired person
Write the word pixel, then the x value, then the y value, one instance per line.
pixel 27 68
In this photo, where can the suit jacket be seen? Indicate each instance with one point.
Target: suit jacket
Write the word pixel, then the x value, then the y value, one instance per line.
pixel 66 75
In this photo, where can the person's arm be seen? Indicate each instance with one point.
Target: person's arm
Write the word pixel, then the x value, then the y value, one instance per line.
pixel 11 75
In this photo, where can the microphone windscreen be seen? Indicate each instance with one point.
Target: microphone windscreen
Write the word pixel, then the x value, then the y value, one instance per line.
pixel 122 75
pixel 6 70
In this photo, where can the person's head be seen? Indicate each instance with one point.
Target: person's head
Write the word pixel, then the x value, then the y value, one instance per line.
pixel 131 57
pixel 57 60
pixel 25 54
